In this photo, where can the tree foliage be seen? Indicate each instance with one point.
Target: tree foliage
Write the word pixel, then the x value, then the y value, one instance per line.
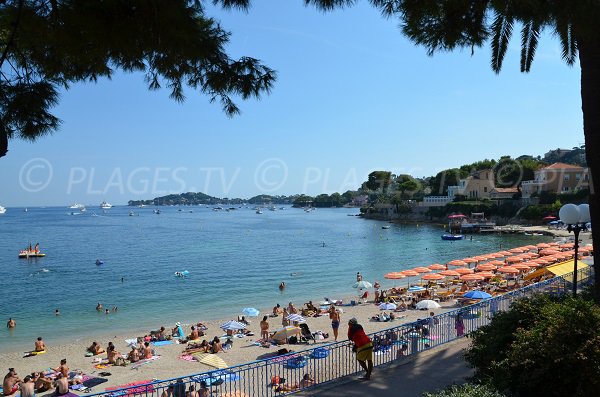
pixel 47 45
pixel 378 181
pixel 541 346
pixel 466 390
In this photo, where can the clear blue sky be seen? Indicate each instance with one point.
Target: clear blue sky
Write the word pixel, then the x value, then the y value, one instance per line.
pixel 352 96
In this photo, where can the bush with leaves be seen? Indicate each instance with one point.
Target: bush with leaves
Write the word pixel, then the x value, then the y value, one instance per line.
pixel 466 390
pixel 541 346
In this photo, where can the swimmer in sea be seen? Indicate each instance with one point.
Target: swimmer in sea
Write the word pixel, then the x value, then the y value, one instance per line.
pixel 282 285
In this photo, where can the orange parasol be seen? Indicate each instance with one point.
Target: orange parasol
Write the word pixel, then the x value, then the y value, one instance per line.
pixel 508 270
pixel 486 274
pixel 457 262
pixel 394 276
pixel 432 276
pixel 463 270
pixel 472 277
pixel 449 273
pixel 436 266
pixel 486 267
pixel 410 273
pixel 421 269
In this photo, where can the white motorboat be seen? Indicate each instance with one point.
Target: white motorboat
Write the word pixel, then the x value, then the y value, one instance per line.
pixel 2 210
pixel 77 206
pixel 104 205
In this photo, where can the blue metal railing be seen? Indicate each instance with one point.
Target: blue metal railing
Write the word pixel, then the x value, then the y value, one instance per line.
pixel 330 362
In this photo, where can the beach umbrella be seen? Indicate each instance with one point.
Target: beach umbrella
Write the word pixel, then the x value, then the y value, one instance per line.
pixel 477 294
pixel 472 277
pixel 469 260
pixel 250 311
pixel 486 267
pixel 387 306
pixel 463 270
pixel 504 253
pixel 449 273
pixel 496 263
pixel 416 288
pixel 457 262
pixel 433 276
pixel 394 276
pixel 456 216
pixel 554 244
pixel 568 245
pixel 286 332
pixel 542 245
pixel 514 259
pixel 516 250
pixel 520 266
pixel 410 273
pixel 486 274
pixel 436 266
pixel 548 251
pixel 427 304
pixel 296 318
pixel 232 325
pixel 508 270
pixel 421 269
pixel 362 284
pixel 482 258
pixel 495 255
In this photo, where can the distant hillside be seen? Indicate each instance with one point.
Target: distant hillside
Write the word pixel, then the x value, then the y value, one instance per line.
pixel 191 198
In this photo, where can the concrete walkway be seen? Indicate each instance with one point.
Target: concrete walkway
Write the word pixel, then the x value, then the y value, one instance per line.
pixel 426 372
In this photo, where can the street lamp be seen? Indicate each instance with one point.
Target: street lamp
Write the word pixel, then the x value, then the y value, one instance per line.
pixel 575 217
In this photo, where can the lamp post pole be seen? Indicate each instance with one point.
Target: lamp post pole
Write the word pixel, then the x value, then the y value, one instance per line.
pixel 575 217
pixel 575 229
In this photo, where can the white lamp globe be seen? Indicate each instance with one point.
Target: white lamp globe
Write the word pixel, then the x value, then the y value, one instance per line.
pixel 569 214
pixel 584 213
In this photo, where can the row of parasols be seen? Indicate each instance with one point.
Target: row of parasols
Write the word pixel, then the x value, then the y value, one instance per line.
pixel 514 261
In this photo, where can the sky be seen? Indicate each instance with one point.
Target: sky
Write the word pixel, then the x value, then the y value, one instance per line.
pixel 352 96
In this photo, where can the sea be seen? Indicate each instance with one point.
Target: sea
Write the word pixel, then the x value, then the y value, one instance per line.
pixel 234 258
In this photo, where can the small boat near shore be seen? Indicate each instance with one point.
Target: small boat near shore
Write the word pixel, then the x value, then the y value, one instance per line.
pixel 31 254
pixel 452 237
pixel 2 210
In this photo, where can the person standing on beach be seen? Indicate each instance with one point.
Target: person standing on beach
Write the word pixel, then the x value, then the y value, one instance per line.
pixel 40 346
pixel 11 323
pixel 334 316
pixel 284 321
pixel 363 347
pixel 264 329
pixel 459 325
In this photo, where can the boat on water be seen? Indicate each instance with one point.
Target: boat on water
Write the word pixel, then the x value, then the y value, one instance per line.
pixel 2 210
pixel 452 237
pixel 157 211
pixel 31 252
pixel 385 227
pixel 77 206
pixel 104 205
pixel 258 211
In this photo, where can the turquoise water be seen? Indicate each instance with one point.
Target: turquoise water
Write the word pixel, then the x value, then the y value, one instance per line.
pixel 236 259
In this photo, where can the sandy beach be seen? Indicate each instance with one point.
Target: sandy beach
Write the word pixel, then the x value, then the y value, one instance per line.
pixel 170 365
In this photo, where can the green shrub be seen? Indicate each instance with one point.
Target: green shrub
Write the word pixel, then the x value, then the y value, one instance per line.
pixel 466 390
pixel 541 346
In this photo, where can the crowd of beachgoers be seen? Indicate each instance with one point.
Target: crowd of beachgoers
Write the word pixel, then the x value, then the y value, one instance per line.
pixel 182 349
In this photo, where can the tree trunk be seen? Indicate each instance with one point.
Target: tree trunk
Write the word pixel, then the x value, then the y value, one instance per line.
pixel 589 60
pixel 3 144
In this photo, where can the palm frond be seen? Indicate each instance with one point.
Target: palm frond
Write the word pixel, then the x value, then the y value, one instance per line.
pixel 501 32
pixel 568 43
pixel 329 5
pixel 530 35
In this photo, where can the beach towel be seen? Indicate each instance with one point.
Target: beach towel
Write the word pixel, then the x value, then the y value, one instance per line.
pixel 146 388
pixel 91 382
pixel 162 343
pixel 211 360
pixel 131 342
pixel 144 362
pixel 217 377
pixel 187 357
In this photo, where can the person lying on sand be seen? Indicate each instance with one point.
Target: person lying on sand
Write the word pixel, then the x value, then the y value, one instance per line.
pixel 203 347
pixel 306 381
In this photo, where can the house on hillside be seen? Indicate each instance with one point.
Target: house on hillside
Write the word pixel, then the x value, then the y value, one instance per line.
pixel 557 178
pixel 503 193
pixel 478 185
